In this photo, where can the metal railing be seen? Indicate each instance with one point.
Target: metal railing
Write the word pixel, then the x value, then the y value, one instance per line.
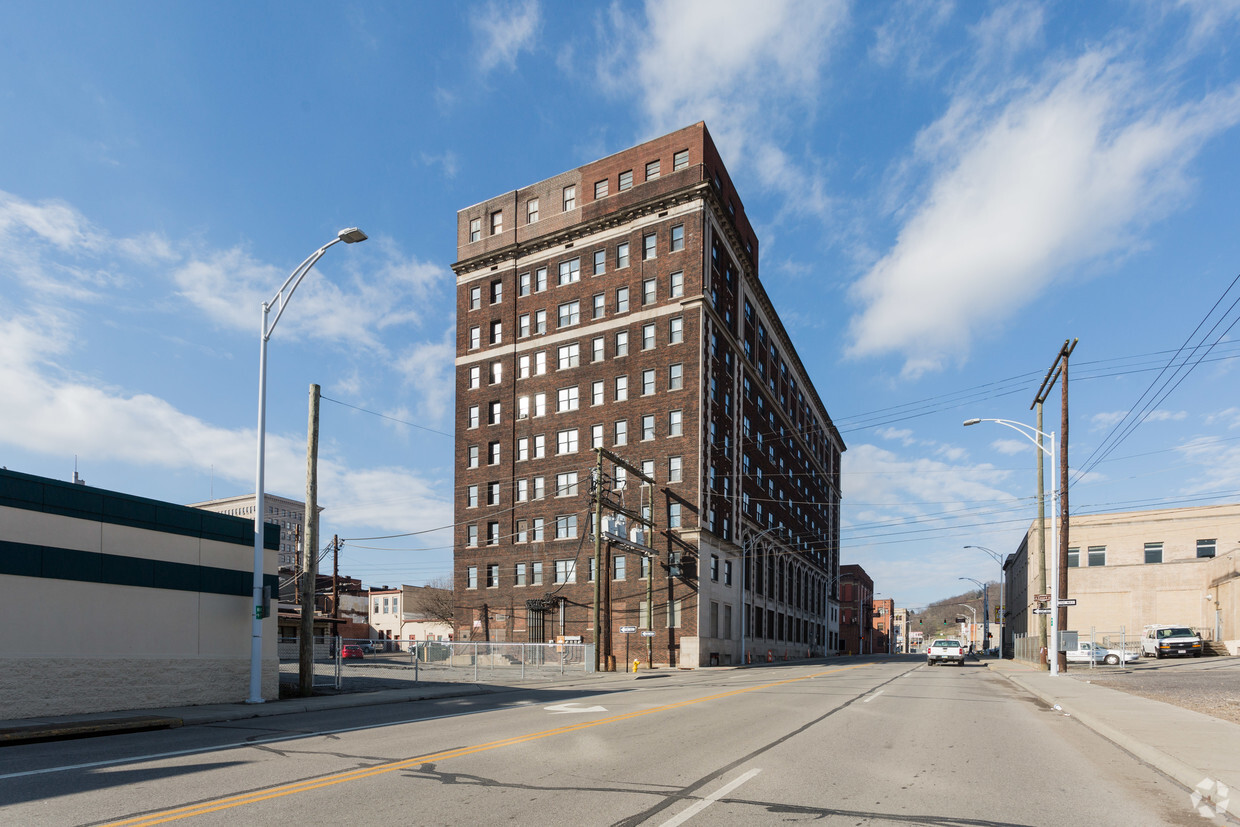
pixel 367 665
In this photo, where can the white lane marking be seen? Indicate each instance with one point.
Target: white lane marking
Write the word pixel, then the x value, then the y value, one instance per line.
pixel 710 799
pixel 572 706
pixel 872 697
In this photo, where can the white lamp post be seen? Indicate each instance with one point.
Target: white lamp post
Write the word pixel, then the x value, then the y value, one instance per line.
pixel 1031 433
pixel 280 300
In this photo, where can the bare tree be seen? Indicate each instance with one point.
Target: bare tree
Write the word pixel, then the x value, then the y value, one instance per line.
pixel 435 600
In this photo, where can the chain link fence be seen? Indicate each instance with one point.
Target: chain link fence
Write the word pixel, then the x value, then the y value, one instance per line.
pixel 367 665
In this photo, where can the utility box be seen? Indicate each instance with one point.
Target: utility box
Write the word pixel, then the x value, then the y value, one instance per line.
pixel 1068 641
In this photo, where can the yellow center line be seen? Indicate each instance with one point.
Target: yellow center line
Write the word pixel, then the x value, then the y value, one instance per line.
pixel 458 752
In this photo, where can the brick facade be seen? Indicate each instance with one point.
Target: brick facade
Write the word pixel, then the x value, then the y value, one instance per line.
pixel 629 316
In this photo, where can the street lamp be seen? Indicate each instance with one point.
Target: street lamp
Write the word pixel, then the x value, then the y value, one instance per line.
pixel 985 609
pixel 974 611
pixel 1031 433
pixel 998 558
pixel 281 298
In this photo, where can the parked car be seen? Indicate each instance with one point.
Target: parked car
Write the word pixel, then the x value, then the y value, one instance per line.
pixel 368 647
pixel 945 650
pixel 1087 652
pixel 350 651
pixel 1163 641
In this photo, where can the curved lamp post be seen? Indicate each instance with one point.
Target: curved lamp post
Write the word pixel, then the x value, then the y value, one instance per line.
pixel 985 609
pixel 974 611
pixel 1031 433
pixel 998 558
pixel 279 301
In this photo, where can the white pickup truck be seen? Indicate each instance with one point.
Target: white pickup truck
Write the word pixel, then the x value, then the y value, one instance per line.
pixel 945 649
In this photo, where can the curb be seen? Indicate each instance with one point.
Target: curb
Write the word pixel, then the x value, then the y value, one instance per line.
pixel 86 729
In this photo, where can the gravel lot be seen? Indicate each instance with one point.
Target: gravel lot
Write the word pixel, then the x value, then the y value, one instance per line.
pixel 1209 685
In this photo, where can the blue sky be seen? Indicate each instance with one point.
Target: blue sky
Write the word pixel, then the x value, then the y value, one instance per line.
pixel 944 194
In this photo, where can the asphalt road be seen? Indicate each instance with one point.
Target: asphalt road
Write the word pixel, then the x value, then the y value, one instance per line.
pixel 878 742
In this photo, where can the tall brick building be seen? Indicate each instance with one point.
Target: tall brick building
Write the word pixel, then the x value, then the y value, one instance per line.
pixel 617 305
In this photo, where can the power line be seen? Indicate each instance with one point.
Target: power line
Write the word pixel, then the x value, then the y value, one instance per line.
pixel 385 416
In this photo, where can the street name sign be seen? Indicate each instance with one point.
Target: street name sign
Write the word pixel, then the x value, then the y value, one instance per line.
pixel 1041 611
pixel 1068 602
pixel 627 630
pixel 1041 598
pixel 647 633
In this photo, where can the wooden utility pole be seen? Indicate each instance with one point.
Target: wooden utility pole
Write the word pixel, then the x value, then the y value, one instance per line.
pixel 310 559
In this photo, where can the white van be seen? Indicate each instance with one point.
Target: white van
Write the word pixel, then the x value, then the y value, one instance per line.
pixel 1164 641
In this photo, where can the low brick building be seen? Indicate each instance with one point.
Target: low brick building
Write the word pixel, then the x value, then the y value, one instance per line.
pixel 618 306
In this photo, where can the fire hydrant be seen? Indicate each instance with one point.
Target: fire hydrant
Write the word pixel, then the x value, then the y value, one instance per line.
pixel 635 662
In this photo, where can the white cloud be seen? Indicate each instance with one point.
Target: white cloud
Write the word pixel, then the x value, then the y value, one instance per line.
pixel 446 161
pixel 748 70
pixel 1167 416
pixel 504 30
pixel 229 286
pixel 429 367
pixel 1068 170
pixel 1106 419
pixel 1013 447
pixel 46 412
pixel 904 435
pixel 1229 417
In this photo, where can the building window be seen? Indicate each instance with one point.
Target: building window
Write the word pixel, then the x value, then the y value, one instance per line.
pixel 531 211
pixel 519 574
pixel 523 284
pixel 673 515
pixel 727 574
pixel 523 490
pixel 678 285
pixel 647 382
pixel 714 568
pixel 475 229
pixel 648 336
pixel 497 332
pixel 673 614
pixel 622 343
pixel 570 198
pixel 492 534
pixel 675 423
pixel 1074 558
pixel 566 527
pixel 596 436
pixel 626 179
pixel 493 413
pixel 471 577
pixel 652 170
pixel 569 355
pixel 680 160
pixel 622 388
pixel 600 305
pixel 475 337
pixel 675 469
pixel 596 392
pixel 473 416
pixel 540 279
pixel 675 376
pixel 540 404
pixel 600 189
pixel 678 238
pixel 1206 548
pixel 565 571
pixel 1097 555
pixel 622 431
pixel 492 493
pixel 570 271
pixel 471 536
pixel 497 222
pixel 473 456
pixel 597 349
pixel 648 426
pixel 622 255
pixel 566 484
pixel 497 291
pixel 1153 552
pixel 649 244
pixel 600 262
pixel 523 449
pixel 676 330
pixel 540 321
pixel 617 567
pixel 471 497
pixel 523 325
pixel 650 291
pixel 475 298
pixel 497 372
pixel 535 574
pixel 566 441
pixel 537 534
pixel 540 451
pixel 570 314
pixel 566 399
pixel 493 453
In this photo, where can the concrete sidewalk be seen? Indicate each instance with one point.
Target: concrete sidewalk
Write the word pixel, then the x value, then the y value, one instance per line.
pixel 1190 747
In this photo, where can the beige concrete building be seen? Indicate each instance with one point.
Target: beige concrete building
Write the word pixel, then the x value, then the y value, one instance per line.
pixel 288 514
pixel 394 615
pixel 1132 569
pixel 119 602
